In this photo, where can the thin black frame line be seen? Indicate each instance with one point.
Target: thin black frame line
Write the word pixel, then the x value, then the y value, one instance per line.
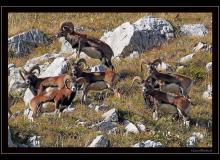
pixel 213 6
pixel 1 80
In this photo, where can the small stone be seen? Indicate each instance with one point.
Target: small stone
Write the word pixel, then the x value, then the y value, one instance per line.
pixel 209 67
pixel 147 144
pixel 201 46
pixel 130 127
pixel 34 141
pixel 186 58
pixel 111 115
pixel 141 127
pixel 100 141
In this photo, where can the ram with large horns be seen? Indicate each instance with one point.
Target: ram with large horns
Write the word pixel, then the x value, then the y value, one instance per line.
pixel 91 46
pixel 38 85
pixel 95 81
pixel 62 97
pixel 162 101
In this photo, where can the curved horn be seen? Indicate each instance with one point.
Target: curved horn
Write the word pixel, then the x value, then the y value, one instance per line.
pixel 142 62
pixel 22 70
pixel 33 68
pixel 81 60
pixel 67 27
pixel 67 79
pixel 156 61
pixel 136 78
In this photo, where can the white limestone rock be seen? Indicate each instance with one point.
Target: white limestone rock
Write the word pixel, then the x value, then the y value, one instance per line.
pixel 186 58
pixel 147 144
pixel 193 30
pixel 209 67
pixel 130 127
pixel 146 33
pixel 100 141
pixel 23 43
pixel 111 115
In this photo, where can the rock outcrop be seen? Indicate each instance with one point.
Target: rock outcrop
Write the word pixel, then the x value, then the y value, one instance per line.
pixel 130 127
pixel 193 30
pixel 147 144
pixel 23 43
pixel 100 141
pixel 146 33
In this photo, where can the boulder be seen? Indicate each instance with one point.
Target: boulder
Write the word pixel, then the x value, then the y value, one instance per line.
pixel 26 141
pixel 186 58
pixel 111 115
pixel 33 141
pixel 65 46
pixel 105 126
pixel 100 141
pixel 209 67
pixel 193 30
pixel 158 25
pixel 13 73
pixel 15 85
pixel 201 46
pixel 23 43
pixel 146 33
pixel 191 142
pixel 130 127
pixel 39 60
pixel 147 144
pixel 57 67
pixel 194 139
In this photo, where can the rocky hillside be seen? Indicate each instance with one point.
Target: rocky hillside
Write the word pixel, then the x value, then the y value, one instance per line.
pixel 181 40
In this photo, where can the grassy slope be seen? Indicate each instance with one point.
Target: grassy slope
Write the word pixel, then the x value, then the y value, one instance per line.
pixel 64 131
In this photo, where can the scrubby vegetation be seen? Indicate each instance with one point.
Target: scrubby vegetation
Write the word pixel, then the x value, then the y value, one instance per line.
pixel 65 132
